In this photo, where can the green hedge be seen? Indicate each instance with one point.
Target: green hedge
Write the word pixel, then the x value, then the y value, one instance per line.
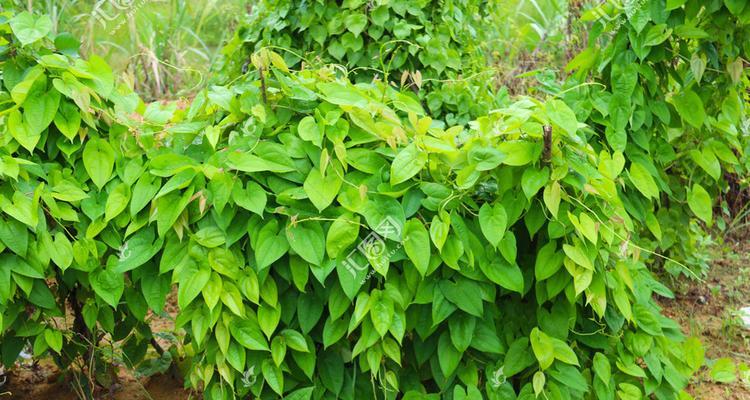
pixel 327 239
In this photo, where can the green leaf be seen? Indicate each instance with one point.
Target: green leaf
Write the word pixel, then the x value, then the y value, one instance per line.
pixel 461 328
pixel 138 250
pixel 381 312
pixel 543 348
pixel 417 244
pixel 643 181
pixel 270 245
pixel 61 251
pixel 99 160
pixel 268 319
pixel 700 203
pixel 274 376
pixel 439 229
pixel 15 236
pixel 520 152
pixel 724 371
pixel 408 162
pixel 117 201
pixel 486 158
pixel 155 288
pixel 190 284
pixel 548 261
pixel 232 298
pixel 518 357
pixel 247 333
pixel 246 162
pixel 308 130
pixel 533 179
pixel 657 34
pixel 698 67
pixel 28 28
pixel 673 4
pixel 342 94
pixel 295 340
pixel 578 256
pixel 212 291
pixel 602 368
pixel 463 294
pixel 143 192
pixel 736 7
pixel 108 285
pixel 551 197
pixel 448 356
pixel 563 352
pixel 68 119
pixel 493 221
pixel 39 111
pixel 301 394
pixel 385 216
pixel 21 131
pixel 646 320
pixel 210 237
pixel 355 23
pixel 333 330
pixel 19 266
pixel 343 232
pixel 322 190
pixel 504 274
pixel 538 382
pixel 695 354
pixel 690 107
pixel 278 350
pixel 54 339
pixel 307 240
pixel 561 115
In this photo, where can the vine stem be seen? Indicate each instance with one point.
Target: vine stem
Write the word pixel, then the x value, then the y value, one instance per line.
pixel 630 244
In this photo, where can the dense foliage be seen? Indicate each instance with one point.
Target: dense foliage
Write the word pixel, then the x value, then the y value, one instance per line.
pixel 671 102
pixel 331 240
pixel 431 47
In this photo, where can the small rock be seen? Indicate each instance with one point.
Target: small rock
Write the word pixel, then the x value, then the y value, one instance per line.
pixel 745 316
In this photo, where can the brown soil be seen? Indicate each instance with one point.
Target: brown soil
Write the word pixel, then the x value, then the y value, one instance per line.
pixel 44 382
pixel 708 310
pixel 29 381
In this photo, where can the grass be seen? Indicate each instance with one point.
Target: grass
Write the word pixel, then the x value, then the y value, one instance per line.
pixel 163 48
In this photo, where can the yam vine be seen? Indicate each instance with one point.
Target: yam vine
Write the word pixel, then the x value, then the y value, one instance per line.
pixel 337 239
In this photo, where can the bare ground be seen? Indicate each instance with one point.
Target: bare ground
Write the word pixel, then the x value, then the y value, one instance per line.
pixel 708 310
